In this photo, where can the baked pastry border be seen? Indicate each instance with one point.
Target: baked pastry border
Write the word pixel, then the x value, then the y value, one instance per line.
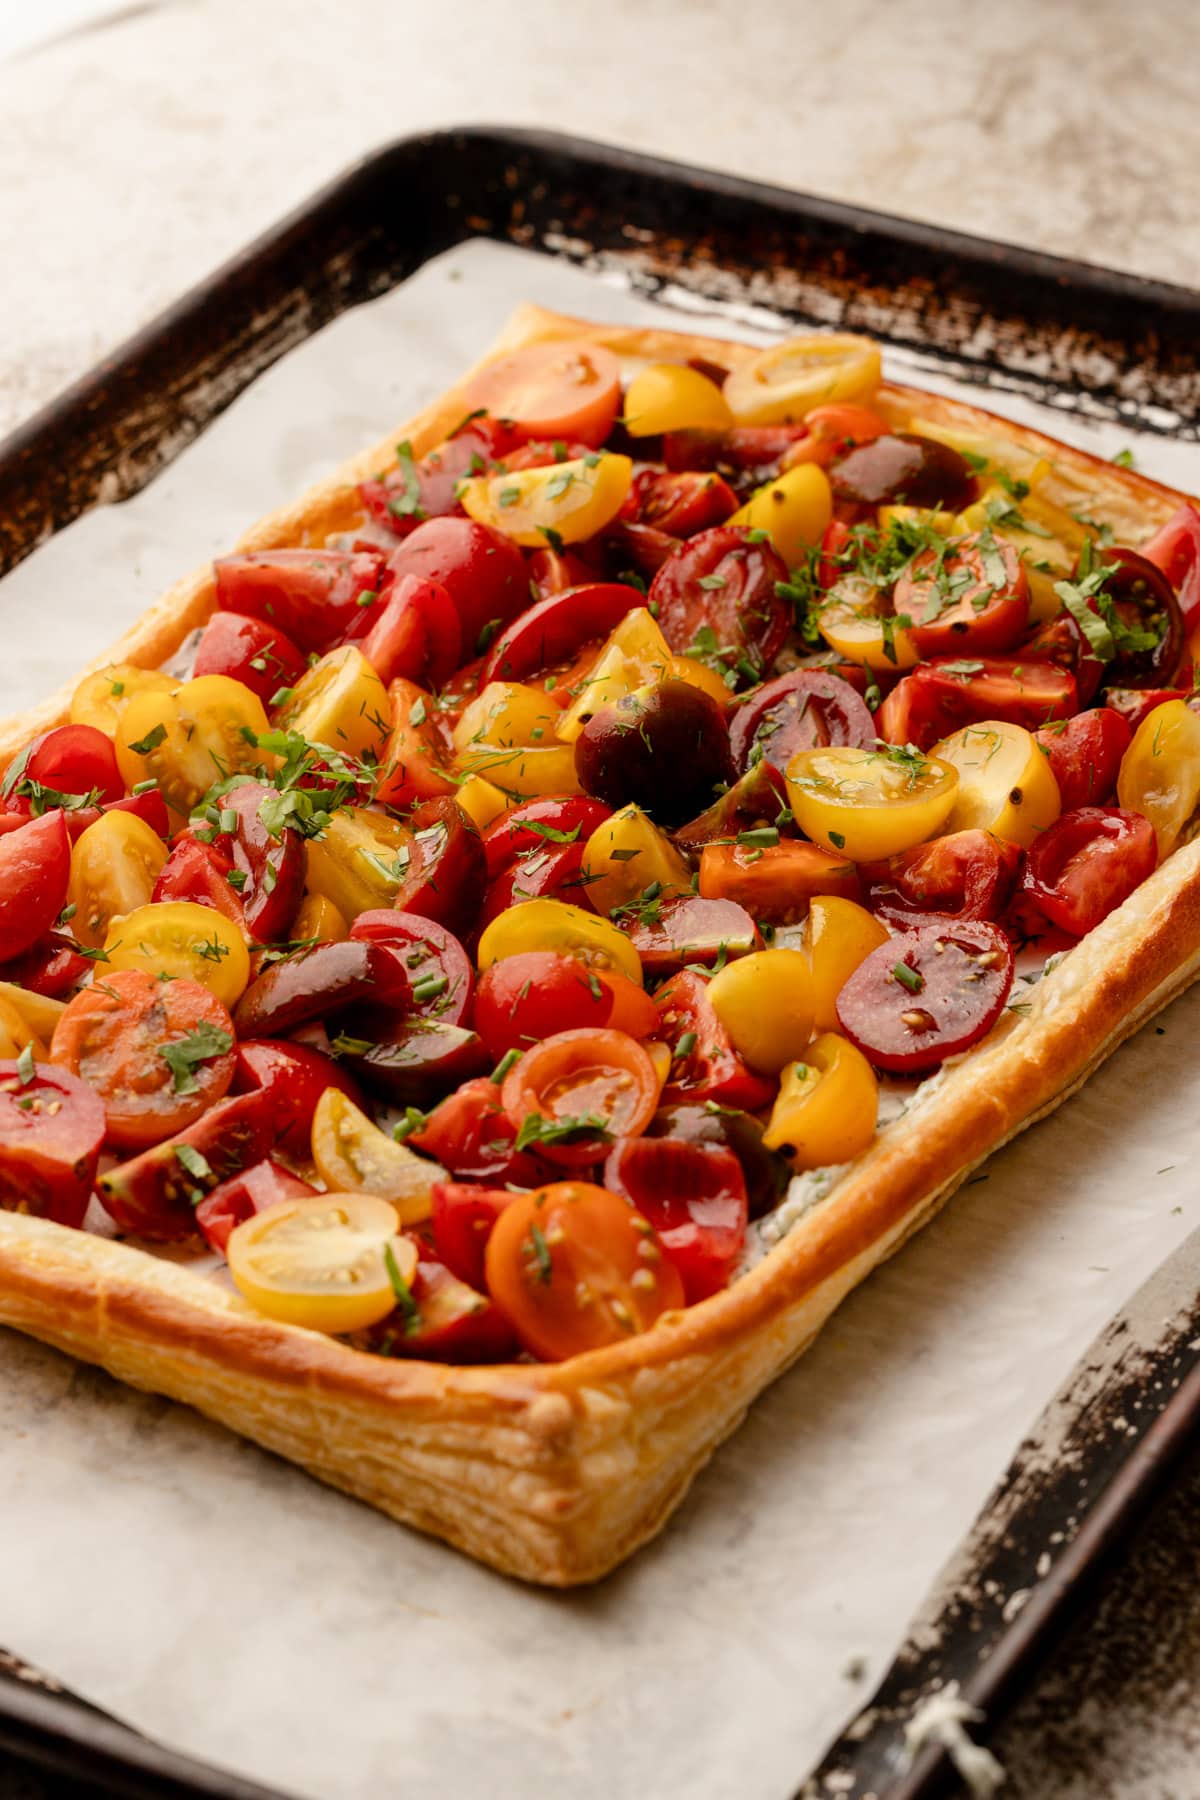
pixel 557 1472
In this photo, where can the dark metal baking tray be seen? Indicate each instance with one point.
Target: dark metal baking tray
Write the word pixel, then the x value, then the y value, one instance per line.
pixel 1008 320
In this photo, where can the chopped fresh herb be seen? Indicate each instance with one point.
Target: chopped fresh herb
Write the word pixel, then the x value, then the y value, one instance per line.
pixel 197 1166
pixel 504 1065
pixel 684 1046
pixel 150 742
pixel 25 1069
pixel 416 712
pixel 405 498
pixel 567 1129
pixel 184 1056
pixel 541 1254
pixel 837 840
pixel 908 978
pixel 281 696
pixel 1124 459
pixel 404 1300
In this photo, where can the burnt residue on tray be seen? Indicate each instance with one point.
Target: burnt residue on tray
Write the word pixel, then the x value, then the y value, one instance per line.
pixel 992 314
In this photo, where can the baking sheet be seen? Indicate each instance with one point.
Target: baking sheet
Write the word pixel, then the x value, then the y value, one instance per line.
pixel 227 1604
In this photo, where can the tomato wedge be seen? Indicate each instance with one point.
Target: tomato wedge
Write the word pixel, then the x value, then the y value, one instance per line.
pixel 704 1064
pixel 462 1221
pixel 252 651
pixel 292 1077
pixel 71 760
pixel 412 632
pixel 1087 863
pixel 695 1197
pixel 927 995
pixel 577 1090
pixel 481 570
pixel 443 1319
pixel 536 824
pixel 249 1192
pixel 719 591
pixel 311 595
pixel 942 696
pixel 35 867
pixel 972 600
pixel 775 882
pixel 681 504
pixel 318 981
pixel 964 875
pixel 51 1130
pixel 470 1134
pixel 439 970
pixel 158 1053
pixel 413 491
pixel 1085 754
pixel 556 629
pixel 155 1194
pixel 575 1268
pixel 1175 549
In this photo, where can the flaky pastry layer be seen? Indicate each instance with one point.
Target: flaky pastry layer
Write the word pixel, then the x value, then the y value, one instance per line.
pixel 556 1473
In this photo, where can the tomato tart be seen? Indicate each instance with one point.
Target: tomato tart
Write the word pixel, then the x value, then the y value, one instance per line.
pixel 490 964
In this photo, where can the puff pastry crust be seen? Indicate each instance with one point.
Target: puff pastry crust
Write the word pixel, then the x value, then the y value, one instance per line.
pixel 556 1473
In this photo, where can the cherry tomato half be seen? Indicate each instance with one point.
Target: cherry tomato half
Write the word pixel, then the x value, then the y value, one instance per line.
pixel 1175 549
pixel 249 1192
pixel 35 867
pixel 927 995
pixel 536 824
pixel 526 998
pixel 158 1053
pixel 253 651
pixel 482 571
pixel 439 969
pixel 724 581
pixel 577 1090
pixel 575 1268
pixel 1087 863
pixel 51 1130
pixel 802 710
pixel 681 504
pixel 975 598
pixel 71 759
pixel 559 390
pixel 964 875
pixel 330 1262
pixel 1085 754
pixel 704 1063
pixel 470 1134
pixel 555 629
pixel 942 696
pixel 462 1222
pixel 311 595
pixel 292 1077
pixel 695 1197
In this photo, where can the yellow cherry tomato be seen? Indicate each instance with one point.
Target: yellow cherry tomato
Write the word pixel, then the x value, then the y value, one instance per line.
pixel 672 397
pixel 341 702
pixel 793 510
pixel 869 803
pixel 39 1012
pixel 101 699
pixel 353 1154
pixel 319 918
pixel 1005 783
pixel 781 385
pixel 1160 771
pixel 114 865
pixel 827 1106
pixel 855 620
pixel 359 860
pixel 765 1003
pixel 482 801
pixel 332 1262
pixel 179 937
pixel 626 855
pixel 506 715
pixel 838 934
pixel 572 500
pixel 16 1032
pixel 557 925
pixel 187 739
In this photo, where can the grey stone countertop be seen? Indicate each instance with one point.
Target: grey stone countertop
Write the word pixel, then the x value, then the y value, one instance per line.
pixel 136 155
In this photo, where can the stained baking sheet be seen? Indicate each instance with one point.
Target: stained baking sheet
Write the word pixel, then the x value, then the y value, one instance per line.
pixel 225 1603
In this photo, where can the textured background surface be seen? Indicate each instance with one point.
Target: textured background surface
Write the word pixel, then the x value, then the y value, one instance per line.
pixel 135 156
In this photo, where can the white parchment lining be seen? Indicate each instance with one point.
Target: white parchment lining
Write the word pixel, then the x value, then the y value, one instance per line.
pixel 222 1601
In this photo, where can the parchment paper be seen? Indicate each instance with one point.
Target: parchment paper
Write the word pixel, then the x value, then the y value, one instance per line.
pixel 222 1601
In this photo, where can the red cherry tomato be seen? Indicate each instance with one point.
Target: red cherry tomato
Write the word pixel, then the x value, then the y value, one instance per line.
pixel 799 711
pixel 536 824
pixel 1132 705
pixel 690 929
pixel 439 969
pixel 694 1195
pixel 927 994
pixel 158 1054
pixel 967 875
pixel 744 612
pixel 35 865
pixel 525 998
pixel 634 1012
pixel 634 549
pixel 775 884
pixel 414 491
pixel 412 1063
pixel 837 553
pixel 268 871
pixel 554 571
pixel 319 981
pixel 250 1191
pixel 939 697
pixel 311 595
pixel 1059 640
pixel 575 1268
pixel 446 875
pixel 447 1320
pixel 419 749
pixel 578 1090
pixel 552 871
pixel 1175 549
pixel 1086 863
pixel 973 600
pixel 1085 754
pixel 52 966
pixel 155 1195
pixel 558 390
pixel 252 651
pixel 51 1130
pixel 199 873
pixel 412 632
pixel 292 1079
pixel 462 1221
pixel 71 759
pixel 704 1063
pixel 555 629
pixel 682 504
pixel 483 572
pixel 470 1134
